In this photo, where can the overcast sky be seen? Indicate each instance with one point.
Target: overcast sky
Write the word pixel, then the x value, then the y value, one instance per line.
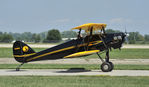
pixel 42 15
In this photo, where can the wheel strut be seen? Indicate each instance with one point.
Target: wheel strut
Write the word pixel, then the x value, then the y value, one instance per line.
pixel 18 67
pixel 100 58
pixel 106 65
pixel 107 56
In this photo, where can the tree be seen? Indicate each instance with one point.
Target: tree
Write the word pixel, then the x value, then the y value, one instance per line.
pixel 1 33
pixel 135 36
pixel 53 36
pixel 26 36
pixel 69 34
pixel 7 38
pixel 146 37
pixel 112 31
pixel 36 38
pixel 43 35
pixel 16 36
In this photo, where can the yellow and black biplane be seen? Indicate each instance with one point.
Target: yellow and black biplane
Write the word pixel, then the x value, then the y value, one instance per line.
pixel 96 41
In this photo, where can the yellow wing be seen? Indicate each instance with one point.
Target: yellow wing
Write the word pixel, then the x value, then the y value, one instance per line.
pixel 94 26
pixel 82 53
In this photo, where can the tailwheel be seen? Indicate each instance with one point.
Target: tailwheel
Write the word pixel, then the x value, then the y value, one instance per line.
pixel 18 67
pixel 107 66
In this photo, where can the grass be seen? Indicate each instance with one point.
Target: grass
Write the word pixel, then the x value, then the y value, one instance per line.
pixel 126 54
pixel 6 53
pixel 73 81
pixel 68 66
pixel 115 54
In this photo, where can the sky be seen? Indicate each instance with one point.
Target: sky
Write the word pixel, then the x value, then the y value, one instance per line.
pixel 42 15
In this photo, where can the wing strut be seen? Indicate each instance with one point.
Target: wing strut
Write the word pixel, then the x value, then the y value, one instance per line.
pixel 79 34
pixel 89 37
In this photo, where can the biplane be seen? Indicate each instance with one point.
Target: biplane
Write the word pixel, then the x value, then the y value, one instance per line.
pixel 95 41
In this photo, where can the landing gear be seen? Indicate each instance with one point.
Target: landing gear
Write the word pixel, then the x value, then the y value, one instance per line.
pixel 112 66
pixel 106 65
pixel 18 68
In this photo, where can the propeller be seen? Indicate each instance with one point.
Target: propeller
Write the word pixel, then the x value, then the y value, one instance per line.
pixel 126 37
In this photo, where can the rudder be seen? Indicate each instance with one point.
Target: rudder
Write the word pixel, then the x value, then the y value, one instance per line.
pixel 21 50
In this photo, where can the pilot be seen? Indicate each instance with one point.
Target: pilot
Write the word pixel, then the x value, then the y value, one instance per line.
pixel 80 36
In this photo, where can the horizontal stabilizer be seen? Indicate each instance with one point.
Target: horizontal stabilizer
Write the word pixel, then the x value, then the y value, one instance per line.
pixel 83 53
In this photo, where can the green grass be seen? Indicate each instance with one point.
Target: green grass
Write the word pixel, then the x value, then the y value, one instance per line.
pixel 68 66
pixel 73 81
pixel 115 54
pixel 6 53
pixel 126 54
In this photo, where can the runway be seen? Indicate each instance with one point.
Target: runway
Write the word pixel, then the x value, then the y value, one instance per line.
pixel 79 61
pixel 65 72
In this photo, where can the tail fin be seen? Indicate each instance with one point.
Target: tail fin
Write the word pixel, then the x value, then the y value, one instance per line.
pixel 21 50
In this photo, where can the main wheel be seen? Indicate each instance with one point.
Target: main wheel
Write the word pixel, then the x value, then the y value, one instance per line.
pixel 106 67
pixel 112 66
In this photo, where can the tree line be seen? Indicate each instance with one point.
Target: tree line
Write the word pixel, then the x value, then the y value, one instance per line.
pixel 54 35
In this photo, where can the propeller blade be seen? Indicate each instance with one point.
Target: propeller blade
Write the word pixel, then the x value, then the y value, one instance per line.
pixel 126 37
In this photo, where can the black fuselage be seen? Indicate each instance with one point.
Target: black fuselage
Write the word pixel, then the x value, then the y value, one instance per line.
pixel 94 42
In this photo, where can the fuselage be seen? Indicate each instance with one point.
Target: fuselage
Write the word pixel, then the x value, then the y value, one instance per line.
pixel 94 42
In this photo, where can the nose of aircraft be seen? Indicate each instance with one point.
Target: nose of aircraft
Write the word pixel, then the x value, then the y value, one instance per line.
pixel 119 37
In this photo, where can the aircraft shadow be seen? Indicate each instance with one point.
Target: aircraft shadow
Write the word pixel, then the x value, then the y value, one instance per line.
pixel 74 70
pixel 15 70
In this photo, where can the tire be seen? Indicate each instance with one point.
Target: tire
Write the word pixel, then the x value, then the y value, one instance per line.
pixel 112 66
pixel 17 69
pixel 106 67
